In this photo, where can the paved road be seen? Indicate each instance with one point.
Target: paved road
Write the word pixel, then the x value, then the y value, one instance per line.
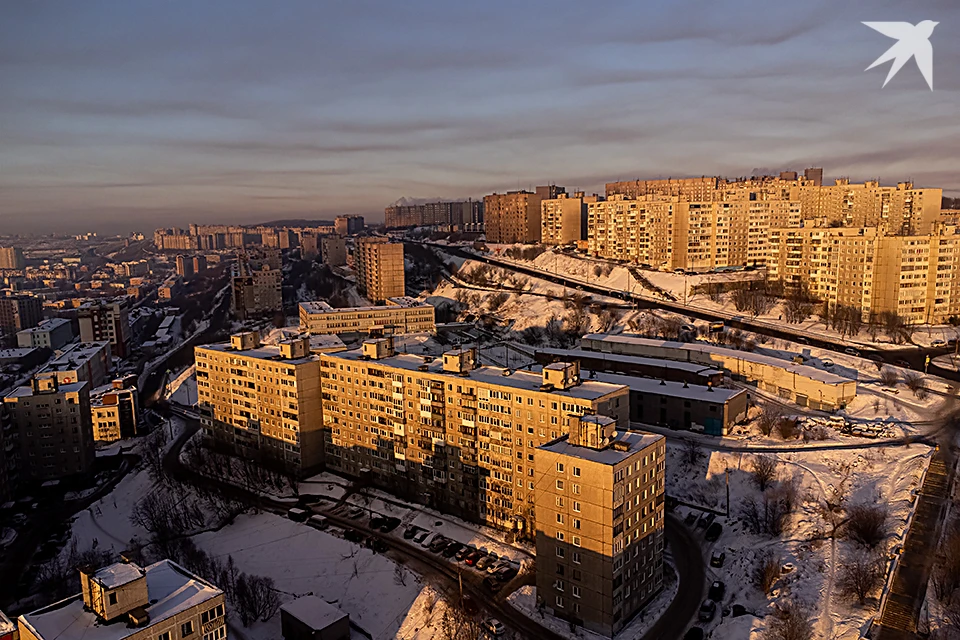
pixel 901 609
pixel 688 556
pixel 914 355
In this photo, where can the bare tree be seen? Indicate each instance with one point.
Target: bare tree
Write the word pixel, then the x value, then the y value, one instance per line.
pixel 915 383
pixel 692 451
pixel 764 471
pixel 860 575
pixel 889 377
pixel 946 573
pixel 867 524
pixel 789 622
pixel 608 320
pixel 767 571
pixel 788 428
pixel 769 515
pixel 497 300
pixel 768 419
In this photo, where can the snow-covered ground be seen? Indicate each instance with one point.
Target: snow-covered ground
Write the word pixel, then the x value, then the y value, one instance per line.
pixel 183 388
pixel 682 287
pixel 872 476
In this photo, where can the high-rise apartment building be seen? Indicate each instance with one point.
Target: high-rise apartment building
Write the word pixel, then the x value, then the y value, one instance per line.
pixel 333 250
pixel 257 290
pixel 108 321
pixel 397 316
pixel 379 267
pixel 309 245
pixel 639 231
pixel 19 312
pixel 115 410
pixel 12 258
pixel 433 213
pixel 563 220
pixel 514 216
pixel 53 422
pixel 199 264
pixel 348 225
pixel 915 277
pixel 81 362
pixel 262 401
pixel 9 454
pixel 600 515
pixel 449 433
pixel 184 267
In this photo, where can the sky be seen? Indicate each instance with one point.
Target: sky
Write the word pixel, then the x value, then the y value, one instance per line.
pixel 135 114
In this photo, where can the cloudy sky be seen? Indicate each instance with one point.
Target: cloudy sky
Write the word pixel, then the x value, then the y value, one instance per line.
pixel 136 114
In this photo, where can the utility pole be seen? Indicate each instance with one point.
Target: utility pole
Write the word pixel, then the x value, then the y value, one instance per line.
pixel 727 474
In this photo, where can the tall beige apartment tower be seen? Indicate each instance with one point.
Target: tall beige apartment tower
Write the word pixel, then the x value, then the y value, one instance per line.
pixel 600 502
pixel 262 401
pixel 563 219
pixel 53 420
pixel 514 216
pixel 379 266
pixel 12 258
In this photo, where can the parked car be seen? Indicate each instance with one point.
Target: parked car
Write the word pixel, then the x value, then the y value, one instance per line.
pixel 317 522
pixel 717 559
pixel 492 585
pixel 496 566
pixel 376 521
pixel 464 552
pixel 875 357
pixel 714 531
pixel 693 633
pixel 451 549
pixel 506 573
pixel 355 513
pixel 410 532
pixel 691 519
pixel 938 343
pixel 705 520
pixel 420 537
pixel 475 556
pixel 494 627
pixel 298 515
pixel 850 351
pixel 389 524
pixel 429 540
pixel 707 610
pixel 717 591
pixel 438 543
pixel 376 544
pixel 904 364
pixel 484 562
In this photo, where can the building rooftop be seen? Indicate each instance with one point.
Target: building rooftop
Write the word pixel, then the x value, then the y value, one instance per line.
pixel 803 370
pixel 692 367
pixel 77 355
pixel 666 387
pixel 313 612
pixel 117 575
pixel 635 441
pixel 522 380
pixel 171 589
pixel 16 353
pixel 27 392
pixel 47 325
pixel 322 307
pixel 263 352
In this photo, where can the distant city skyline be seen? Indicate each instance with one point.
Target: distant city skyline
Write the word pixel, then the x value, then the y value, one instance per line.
pixel 131 116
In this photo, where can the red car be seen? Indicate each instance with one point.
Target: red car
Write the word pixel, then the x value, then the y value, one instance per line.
pixel 472 558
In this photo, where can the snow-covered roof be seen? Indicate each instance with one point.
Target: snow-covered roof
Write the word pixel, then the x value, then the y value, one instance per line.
pixel 6 625
pixel 667 388
pixel 640 361
pixel 171 589
pixel 263 352
pixel 117 575
pixel 525 380
pixel 635 441
pixel 313 612
pixel 699 347
pixel 46 325
pixel 26 392
pixel 78 355
pixel 322 307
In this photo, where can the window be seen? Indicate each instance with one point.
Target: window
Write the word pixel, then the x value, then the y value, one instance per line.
pixel 220 633
pixel 575 590
pixel 576 472
pixel 186 629
pixel 560 602
pixel 560 535
pixel 576 523
pixel 559 518
pixel 576 556
pixel 559 501
pixel 559 467
pixel 576 541
pixel 559 585
pixel 211 614
pixel 576 506
pixel 560 485
pixel 112 598
pixel 560 552
pixel 164 636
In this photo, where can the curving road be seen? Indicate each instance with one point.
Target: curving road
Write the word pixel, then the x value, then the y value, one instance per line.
pixel 686 552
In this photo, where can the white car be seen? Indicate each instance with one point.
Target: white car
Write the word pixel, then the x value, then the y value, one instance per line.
pixel 430 538
pixel 938 343
pixel 494 627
